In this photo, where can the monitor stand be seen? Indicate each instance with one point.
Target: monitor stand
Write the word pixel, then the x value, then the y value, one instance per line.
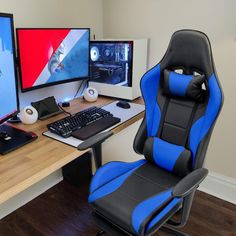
pixel 12 138
pixel 14 119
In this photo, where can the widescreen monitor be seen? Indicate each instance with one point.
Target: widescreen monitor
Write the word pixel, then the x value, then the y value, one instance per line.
pixel 50 56
pixel 8 86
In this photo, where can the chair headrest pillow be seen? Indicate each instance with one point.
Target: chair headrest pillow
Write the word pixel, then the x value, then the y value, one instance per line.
pixel 180 85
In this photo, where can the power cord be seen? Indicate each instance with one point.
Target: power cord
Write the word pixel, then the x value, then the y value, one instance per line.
pixel 66 112
pixel 80 86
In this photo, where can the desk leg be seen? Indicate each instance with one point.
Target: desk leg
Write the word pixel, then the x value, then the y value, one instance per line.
pixel 97 153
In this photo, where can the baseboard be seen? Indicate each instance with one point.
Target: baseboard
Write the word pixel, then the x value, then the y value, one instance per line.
pixel 220 186
pixel 30 193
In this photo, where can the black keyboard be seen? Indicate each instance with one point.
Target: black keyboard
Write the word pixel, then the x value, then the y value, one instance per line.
pixel 84 124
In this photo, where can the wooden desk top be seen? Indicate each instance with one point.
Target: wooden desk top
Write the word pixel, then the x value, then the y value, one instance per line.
pixel 27 165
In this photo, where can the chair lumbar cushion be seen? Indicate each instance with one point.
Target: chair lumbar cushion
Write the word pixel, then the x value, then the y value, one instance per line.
pixel 171 157
pixel 181 85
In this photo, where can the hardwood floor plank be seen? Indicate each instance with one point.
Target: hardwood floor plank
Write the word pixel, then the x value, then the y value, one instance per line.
pixel 63 211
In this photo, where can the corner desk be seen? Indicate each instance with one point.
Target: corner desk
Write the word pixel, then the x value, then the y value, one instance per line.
pixel 31 163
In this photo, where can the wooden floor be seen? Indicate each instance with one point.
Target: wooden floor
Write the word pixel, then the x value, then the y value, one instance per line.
pixel 63 211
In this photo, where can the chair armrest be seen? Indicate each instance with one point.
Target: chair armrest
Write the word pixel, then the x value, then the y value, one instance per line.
pixel 94 140
pixel 189 183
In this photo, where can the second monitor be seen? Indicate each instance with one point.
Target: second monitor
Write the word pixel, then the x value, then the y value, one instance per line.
pixel 51 56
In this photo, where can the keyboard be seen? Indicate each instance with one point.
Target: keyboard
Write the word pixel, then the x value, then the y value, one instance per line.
pixel 84 124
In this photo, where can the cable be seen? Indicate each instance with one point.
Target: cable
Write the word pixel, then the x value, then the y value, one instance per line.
pixel 66 112
pixel 80 86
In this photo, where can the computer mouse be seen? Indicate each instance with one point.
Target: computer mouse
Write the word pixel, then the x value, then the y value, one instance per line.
pixel 4 135
pixel 123 104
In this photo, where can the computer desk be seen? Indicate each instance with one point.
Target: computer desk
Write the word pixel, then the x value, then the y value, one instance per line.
pixel 31 163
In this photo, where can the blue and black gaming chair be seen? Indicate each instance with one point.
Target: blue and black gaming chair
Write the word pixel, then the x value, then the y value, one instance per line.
pixel 183 98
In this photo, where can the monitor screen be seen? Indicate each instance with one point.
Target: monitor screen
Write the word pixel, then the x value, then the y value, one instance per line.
pixel 52 56
pixel 8 86
pixel 111 62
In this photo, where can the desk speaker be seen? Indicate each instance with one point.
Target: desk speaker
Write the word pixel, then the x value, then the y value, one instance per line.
pixel 90 94
pixel 28 115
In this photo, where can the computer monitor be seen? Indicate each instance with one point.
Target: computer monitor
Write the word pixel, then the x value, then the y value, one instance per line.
pixel 50 56
pixel 111 62
pixel 10 137
pixel 9 104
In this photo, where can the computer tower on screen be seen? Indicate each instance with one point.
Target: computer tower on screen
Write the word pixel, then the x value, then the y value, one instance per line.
pixel 116 67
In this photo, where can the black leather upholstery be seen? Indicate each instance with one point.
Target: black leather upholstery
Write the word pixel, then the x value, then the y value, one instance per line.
pixel 182 166
pixel 146 181
pixel 140 137
pixel 194 90
pixel 189 50
pixel 138 198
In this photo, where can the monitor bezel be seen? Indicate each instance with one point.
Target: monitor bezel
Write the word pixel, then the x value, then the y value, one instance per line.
pixel 130 83
pixel 14 113
pixel 23 90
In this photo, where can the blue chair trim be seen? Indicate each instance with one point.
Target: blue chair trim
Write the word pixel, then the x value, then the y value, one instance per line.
pixel 166 154
pixel 178 83
pixel 149 87
pixel 113 185
pixel 167 209
pixel 110 171
pixel 202 125
pixel 145 208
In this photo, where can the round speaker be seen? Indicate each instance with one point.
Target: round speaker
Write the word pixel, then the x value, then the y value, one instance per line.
pixel 28 115
pixel 90 94
pixel 94 53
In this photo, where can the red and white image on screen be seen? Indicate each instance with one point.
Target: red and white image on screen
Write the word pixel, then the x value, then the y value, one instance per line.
pixel 52 55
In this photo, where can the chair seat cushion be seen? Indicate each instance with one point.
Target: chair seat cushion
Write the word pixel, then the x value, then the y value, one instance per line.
pixel 142 195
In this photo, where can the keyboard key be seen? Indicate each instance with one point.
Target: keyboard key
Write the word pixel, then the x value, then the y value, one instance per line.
pixel 66 126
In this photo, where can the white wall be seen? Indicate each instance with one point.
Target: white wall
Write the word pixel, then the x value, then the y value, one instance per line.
pixel 55 13
pixel 157 20
pixel 50 13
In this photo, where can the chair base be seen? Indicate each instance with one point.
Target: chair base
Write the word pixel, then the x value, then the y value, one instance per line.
pixel 172 231
pixel 165 229
pixel 108 228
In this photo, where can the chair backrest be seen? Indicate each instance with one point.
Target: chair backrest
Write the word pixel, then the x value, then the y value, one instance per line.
pixel 183 98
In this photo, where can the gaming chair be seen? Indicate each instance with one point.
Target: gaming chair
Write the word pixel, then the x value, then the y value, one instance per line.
pixel 183 99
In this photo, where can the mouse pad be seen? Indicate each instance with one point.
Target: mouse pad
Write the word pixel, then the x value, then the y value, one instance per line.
pixel 123 114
